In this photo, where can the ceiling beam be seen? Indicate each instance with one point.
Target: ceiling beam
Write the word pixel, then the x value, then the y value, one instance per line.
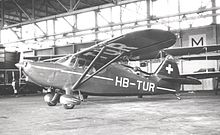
pixel 76 5
pixel 26 14
pixel 62 5
pixel 9 21
pixel 15 32
pixel 101 7
pixel 40 28
pixel 53 7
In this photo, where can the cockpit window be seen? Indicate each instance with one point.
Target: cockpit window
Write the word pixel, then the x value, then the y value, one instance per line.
pixel 73 61
pixel 81 63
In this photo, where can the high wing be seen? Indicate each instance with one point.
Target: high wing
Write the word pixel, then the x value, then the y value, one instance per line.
pixel 132 46
pixel 203 75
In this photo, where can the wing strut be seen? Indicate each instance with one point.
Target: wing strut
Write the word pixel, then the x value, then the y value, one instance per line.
pixel 87 70
pixel 100 69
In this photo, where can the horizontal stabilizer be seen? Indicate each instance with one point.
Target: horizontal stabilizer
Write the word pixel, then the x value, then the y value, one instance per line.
pixel 187 80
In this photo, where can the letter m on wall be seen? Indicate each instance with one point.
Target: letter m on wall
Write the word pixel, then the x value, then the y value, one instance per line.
pixel 197 40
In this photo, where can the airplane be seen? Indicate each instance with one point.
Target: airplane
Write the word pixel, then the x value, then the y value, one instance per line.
pixel 101 70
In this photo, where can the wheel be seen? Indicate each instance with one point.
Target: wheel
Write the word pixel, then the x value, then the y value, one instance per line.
pixel 51 99
pixel 178 96
pixel 68 106
pixel 51 104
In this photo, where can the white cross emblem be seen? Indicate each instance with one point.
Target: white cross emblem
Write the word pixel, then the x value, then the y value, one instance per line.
pixel 169 69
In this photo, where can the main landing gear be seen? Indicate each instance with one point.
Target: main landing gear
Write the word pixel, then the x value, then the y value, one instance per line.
pixel 52 99
pixel 68 100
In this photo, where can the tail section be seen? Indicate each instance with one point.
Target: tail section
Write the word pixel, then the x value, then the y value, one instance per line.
pixel 169 71
pixel 169 78
pixel 168 68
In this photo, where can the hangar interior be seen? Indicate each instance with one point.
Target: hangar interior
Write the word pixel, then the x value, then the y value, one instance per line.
pixel 53 27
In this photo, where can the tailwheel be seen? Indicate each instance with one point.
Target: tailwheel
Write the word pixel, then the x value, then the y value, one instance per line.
pixel 178 96
pixel 68 106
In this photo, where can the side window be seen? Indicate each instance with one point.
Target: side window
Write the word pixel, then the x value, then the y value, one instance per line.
pixel 81 63
pixel 73 61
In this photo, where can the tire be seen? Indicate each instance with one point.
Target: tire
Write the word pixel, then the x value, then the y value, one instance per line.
pixel 51 104
pixel 68 106
pixel 48 99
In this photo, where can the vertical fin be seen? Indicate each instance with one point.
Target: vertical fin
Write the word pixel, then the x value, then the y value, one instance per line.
pixel 168 68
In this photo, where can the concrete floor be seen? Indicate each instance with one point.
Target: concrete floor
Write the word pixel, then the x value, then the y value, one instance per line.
pixel 197 113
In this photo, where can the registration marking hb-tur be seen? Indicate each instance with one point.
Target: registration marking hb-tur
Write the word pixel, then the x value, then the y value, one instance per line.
pixel 141 85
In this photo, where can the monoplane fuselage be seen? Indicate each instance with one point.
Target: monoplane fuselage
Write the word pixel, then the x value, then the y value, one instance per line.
pixel 116 79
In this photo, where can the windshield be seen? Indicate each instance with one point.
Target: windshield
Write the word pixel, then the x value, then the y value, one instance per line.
pixel 72 61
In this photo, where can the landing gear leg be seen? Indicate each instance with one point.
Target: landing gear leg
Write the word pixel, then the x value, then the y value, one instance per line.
pixel 55 98
pixel 178 96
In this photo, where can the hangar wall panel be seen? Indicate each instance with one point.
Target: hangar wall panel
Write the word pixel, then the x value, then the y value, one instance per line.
pixel 84 45
pixel 48 51
pixel 29 53
pixel 196 35
pixel 64 49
